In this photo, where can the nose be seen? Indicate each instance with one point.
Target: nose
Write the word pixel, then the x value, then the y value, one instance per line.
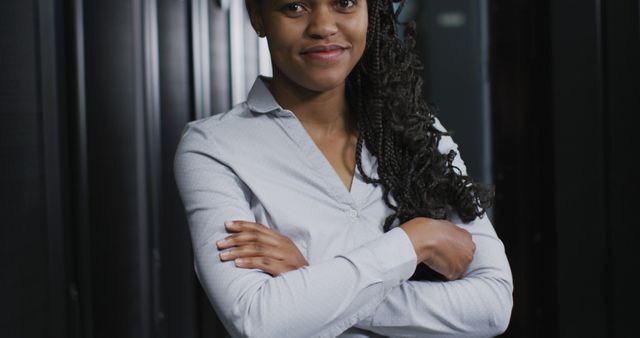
pixel 322 23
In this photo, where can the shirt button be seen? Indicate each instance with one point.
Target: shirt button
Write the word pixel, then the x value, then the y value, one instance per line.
pixel 353 213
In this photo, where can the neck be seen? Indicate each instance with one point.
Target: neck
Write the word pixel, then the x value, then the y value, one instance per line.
pixel 322 113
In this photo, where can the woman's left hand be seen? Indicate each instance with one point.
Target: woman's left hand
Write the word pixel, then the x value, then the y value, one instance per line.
pixel 255 246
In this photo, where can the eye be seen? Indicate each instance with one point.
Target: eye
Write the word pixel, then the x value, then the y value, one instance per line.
pixel 294 8
pixel 346 4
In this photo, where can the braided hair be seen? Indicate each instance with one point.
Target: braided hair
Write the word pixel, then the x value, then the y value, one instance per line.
pixel 384 92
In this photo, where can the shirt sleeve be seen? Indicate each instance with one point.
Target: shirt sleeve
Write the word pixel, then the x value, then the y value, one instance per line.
pixel 478 305
pixel 322 300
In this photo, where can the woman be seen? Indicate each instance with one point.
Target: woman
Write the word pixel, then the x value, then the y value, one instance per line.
pixel 312 204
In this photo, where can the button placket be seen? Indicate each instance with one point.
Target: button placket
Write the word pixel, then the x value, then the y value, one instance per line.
pixel 352 215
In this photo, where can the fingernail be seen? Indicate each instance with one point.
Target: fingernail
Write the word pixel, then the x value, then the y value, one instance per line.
pixel 228 223
pixel 221 242
pixel 239 260
pixel 225 254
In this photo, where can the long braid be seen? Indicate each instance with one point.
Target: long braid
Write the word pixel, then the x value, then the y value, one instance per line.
pixel 397 126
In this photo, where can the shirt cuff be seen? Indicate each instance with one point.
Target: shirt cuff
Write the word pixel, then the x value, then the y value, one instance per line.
pixel 391 256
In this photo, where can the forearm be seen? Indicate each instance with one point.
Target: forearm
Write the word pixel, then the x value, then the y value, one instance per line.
pixel 316 301
pixel 321 300
pixel 470 307
pixel 479 305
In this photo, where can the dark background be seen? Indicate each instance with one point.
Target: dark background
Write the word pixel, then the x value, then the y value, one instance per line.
pixel 94 95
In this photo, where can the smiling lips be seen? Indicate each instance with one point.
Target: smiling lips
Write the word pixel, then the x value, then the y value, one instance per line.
pixel 324 52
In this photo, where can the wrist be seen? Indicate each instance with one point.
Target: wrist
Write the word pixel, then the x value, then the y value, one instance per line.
pixel 423 245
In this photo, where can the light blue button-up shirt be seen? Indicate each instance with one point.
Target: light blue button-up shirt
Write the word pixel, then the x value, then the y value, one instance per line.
pixel 256 162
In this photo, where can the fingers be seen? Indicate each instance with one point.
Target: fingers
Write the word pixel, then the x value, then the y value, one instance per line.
pixel 253 245
pixel 252 249
pixel 238 226
pixel 243 232
pixel 249 240
pixel 243 238
pixel 266 264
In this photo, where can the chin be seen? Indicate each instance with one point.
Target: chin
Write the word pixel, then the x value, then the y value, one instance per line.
pixel 326 86
pixel 320 82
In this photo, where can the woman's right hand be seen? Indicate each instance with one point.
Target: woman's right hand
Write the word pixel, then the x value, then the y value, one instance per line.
pixel 441 245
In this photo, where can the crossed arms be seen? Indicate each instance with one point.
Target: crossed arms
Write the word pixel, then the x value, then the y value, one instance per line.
pixel 365 287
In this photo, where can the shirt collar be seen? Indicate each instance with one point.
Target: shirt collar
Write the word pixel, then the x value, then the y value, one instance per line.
pixel 260 99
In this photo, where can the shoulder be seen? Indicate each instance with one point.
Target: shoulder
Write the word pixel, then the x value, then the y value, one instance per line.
pixel 203 138
pixel 226 129
pixel 232 137
pixel 210 127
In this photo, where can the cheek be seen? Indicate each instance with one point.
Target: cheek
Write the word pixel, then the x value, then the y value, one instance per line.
pixel 282 56
pixel 282 42
pixel 357 26
pixel 357 29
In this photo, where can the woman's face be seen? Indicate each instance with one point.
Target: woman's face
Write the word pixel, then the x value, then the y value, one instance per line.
pixel 313 43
